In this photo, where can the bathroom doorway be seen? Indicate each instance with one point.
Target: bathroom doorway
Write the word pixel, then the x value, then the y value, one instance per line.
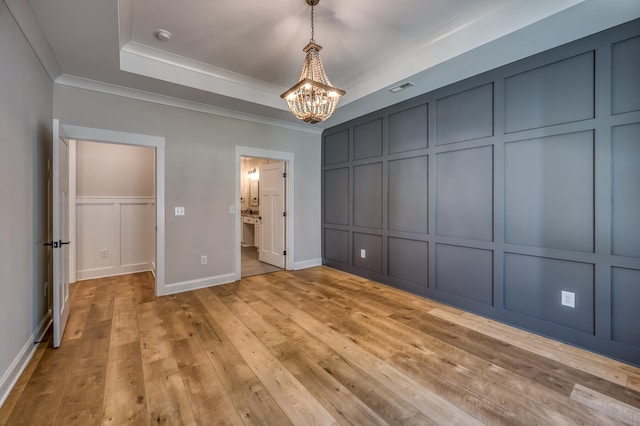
pixel 262 200
pixel 264 211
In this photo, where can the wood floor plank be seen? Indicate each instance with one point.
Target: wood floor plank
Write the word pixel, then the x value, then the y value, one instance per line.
pixel 79 311
pixel 124 394
pixel 23 381
pixel 84 389
pixel 427 402
pixel 166 396
pixel 612 407
pixel 340 402
pixel 40 399
pixel 315 346
pixel 209 399
pixel 167 400
pixel 605 368
pixel 124 329
pixel 297 402
pixel 253 402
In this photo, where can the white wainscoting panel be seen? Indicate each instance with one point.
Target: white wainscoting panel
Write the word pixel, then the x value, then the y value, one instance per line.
pixel 114 236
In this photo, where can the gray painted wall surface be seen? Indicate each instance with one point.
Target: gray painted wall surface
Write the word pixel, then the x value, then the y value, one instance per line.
pixel 498 192
pixel 26 101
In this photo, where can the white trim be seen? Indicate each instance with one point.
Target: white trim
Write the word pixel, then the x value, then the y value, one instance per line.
pixel 307 264
pixel 89 274
pixel 26 20
pixel 72 209
pixel 11 376
pixel 125 92
pixel 157 142
pixel 289 157
pixel 114 200
pixel 180 287
pixel 144 60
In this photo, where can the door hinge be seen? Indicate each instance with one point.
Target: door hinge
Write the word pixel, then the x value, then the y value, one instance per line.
pixel 284 253
pixel 284 175
pixel 284 214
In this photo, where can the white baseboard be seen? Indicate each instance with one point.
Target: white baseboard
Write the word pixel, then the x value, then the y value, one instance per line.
pixel 11 376
pixel 88 274
pixel 199 283
pixel 307 264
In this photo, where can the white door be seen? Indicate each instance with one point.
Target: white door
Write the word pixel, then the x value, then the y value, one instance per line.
pixel 272 213
pixel 60 242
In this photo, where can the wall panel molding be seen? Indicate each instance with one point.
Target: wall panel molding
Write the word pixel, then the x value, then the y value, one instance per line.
pixel 497 193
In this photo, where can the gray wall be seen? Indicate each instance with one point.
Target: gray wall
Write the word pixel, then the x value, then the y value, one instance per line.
pixel 25 120
pixel 498 192
pixel 200 175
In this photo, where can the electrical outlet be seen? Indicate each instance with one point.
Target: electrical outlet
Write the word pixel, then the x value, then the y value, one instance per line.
pixel 179 211
pixel 232 209
pixel 568 299
pixel 104 253
pixel 203 260
pixel 363 253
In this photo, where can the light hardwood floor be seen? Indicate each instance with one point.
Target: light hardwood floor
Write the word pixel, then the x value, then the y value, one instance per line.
pixel 315 346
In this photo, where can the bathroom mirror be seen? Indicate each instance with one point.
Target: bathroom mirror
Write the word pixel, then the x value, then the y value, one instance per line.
pixel 254 189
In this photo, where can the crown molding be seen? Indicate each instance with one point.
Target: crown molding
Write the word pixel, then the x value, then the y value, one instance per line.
pixel 144 60
pixel 26 20
pixel 112 89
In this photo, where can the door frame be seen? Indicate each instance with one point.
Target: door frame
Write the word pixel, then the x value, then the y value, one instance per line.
pixel 138 139
pixel 289 159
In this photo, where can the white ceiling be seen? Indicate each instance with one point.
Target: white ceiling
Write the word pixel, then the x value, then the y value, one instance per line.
pixel 238 56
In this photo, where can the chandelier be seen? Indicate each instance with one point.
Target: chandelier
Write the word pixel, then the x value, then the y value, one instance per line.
pixel 312 99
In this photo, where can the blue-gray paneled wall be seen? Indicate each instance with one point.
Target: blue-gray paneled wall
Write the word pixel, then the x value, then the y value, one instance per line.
pixel 499 192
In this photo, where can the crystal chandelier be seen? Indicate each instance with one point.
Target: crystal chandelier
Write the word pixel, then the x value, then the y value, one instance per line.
pixel 312 99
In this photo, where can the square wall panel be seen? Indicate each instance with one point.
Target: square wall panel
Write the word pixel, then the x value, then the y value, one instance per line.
pixel 625 181
pixel 371 247
pixel 336 148
pixel 336 245
pixel 367 140
pixel 409 260
pixel 533 286
pixel 408 194
pixel 625 76
pixel 367 196
pixel 625 297
pixel 408 130
pixel 464 193
pixel 549 192
pixel 466 272
pixel 336 196
pixel 561 92
pixel 465 116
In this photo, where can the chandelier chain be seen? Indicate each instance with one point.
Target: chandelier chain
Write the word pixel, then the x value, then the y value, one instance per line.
pixel 312 27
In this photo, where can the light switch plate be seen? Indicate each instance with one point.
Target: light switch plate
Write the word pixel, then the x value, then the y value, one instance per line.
pixel 363 253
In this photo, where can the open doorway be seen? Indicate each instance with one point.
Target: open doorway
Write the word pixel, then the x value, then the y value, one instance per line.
pixel 114 209
pixel 264 211
pixel 158 144
pixel 262 199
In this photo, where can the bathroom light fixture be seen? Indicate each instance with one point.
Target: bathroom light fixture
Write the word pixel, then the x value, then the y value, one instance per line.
pixel 312 99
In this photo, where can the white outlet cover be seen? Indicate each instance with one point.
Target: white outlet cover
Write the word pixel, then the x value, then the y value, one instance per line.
pixel 179 211
pixel 363 253
pixel 203 260
pixel 568 299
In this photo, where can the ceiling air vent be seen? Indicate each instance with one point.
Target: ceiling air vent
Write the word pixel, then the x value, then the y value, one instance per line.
pixel 399 87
